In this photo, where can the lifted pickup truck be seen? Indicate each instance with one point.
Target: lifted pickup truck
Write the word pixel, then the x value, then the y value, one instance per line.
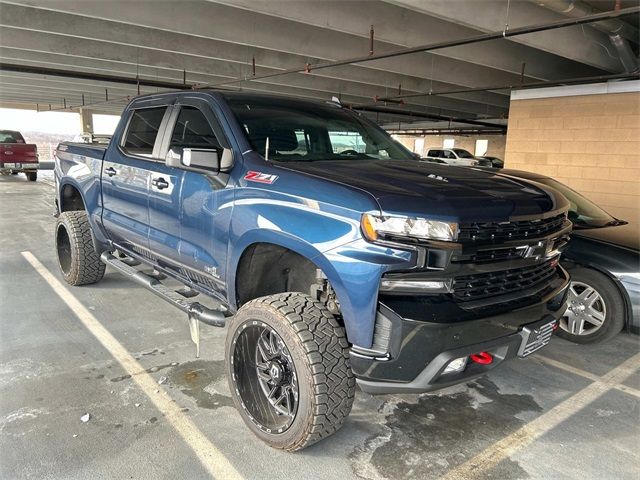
pixel 17 156
pixel 327 265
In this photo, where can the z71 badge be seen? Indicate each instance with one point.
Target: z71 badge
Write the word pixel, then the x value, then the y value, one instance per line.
pixel 260 177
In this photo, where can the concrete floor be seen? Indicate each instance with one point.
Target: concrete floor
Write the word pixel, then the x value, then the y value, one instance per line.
pixel 53 371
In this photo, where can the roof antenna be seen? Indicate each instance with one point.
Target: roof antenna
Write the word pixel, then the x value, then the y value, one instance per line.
pixel 266 149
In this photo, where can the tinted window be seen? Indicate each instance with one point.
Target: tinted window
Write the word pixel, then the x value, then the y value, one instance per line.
pixel 448 154
pixel 193 130
pixel 462 153
pixel 143 130
pixel 434 153
pixel 7 136
pixel 298 131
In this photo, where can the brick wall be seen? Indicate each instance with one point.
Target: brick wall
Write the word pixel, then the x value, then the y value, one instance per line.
pixel 589 142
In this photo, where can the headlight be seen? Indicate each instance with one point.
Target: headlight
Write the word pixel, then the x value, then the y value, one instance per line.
pixel 375 227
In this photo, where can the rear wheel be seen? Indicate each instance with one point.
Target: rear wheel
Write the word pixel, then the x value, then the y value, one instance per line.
pixel 595 308
pixel 288 370
pixel 32 176
pixel 78 260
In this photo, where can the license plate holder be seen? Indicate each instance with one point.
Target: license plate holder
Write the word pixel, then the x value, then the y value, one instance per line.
pixel 9 165
pixel 535 336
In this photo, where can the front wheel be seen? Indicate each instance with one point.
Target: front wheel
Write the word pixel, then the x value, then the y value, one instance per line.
pixel 288 370
pixel 595 308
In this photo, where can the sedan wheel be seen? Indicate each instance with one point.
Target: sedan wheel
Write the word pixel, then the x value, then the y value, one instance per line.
pixel 595 307
pixel 586 310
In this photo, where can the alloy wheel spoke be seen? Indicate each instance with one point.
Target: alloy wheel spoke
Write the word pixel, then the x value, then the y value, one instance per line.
pixel 263 348
pixel 594 316
pixel 575 324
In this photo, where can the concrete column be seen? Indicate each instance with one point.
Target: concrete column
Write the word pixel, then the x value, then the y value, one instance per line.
pixel 86 121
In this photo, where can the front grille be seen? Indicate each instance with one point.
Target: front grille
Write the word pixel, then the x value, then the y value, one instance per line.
pixel 496 255
pixel 484 285
pixel 519 230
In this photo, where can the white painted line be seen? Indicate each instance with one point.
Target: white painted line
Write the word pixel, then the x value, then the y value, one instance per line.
pixel 211 458
pixel 569 368
pixel 494 454
pixel 589 375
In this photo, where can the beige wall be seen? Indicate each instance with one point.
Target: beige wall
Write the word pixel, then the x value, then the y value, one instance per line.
pixel 589 142
pixel 496 143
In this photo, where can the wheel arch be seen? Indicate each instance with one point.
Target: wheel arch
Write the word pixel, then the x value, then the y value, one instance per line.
pixel 285 242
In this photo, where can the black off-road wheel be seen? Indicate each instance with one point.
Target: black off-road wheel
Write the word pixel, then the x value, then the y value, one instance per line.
pixel 288 370
pixel 32 176
pixel 77 258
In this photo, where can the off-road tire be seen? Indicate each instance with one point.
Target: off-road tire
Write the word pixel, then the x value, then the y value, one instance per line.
pixel 32 176
pixel 615 312
pixel 79 263
pixel 320 353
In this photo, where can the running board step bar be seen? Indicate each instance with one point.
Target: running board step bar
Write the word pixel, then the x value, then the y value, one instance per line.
pixel 196 312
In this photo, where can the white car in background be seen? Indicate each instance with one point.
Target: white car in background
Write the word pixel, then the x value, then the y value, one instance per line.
pixel 456 156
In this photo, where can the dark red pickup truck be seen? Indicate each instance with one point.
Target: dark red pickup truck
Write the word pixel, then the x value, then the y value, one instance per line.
pixel 17 156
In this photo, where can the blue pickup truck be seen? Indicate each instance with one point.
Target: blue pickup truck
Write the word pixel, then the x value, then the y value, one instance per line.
pixel 330 253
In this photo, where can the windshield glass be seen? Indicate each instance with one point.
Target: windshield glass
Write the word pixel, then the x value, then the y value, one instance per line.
pixel 582 212
pixel 462 153
pixel 295 131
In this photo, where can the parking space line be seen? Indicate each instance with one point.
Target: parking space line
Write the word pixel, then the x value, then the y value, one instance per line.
pixel 211 458
pixel 507 446
pixel 585 374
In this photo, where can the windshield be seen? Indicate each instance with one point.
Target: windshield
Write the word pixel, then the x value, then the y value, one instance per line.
pixel 582 212
pixel 295 131
pixel 462 153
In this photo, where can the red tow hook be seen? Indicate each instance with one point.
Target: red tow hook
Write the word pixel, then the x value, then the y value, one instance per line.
pixel 483 358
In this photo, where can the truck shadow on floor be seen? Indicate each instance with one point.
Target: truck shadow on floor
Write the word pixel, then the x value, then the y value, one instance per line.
pixel 426 438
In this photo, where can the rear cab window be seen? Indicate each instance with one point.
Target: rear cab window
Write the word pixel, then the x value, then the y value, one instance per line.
pixel 142 131
pixel 11 137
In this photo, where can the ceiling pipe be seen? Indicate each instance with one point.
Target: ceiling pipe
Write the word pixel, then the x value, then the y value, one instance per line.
pixel 620 33
pixel 483 37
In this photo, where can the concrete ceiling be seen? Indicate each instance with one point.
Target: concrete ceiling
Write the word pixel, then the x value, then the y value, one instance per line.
pixel 214 42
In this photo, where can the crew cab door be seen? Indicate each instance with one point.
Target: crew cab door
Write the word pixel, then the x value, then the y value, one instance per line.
pixel 126 176
pixel 203 224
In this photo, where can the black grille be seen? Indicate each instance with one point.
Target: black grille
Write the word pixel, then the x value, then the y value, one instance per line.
pixel 484 285
pixel 492 231
pixel 496 255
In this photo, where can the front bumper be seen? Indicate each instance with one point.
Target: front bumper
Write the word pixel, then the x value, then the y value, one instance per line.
pixel 418 351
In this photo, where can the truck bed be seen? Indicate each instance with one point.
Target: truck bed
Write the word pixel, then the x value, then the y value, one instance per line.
pixel 85 149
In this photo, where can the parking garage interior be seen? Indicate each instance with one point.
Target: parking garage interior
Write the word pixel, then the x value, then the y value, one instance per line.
pixel 102 381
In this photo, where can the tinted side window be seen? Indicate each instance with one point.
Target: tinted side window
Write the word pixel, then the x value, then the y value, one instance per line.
pixel 143 130
pixel 193 130
pixel 433 153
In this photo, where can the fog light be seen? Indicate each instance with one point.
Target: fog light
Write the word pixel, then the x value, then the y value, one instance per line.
pixel 456 365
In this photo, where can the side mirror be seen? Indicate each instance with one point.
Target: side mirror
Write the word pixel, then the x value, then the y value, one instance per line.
pixel 201 159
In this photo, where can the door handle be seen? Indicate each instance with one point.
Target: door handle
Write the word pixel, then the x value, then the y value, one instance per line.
pixel 159 183
pixel 110 171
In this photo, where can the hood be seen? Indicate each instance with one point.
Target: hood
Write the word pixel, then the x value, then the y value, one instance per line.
pixel 439 191
pixel 626 235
